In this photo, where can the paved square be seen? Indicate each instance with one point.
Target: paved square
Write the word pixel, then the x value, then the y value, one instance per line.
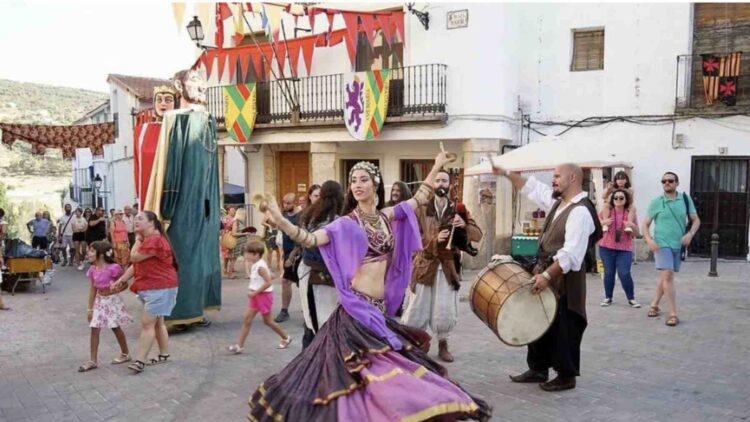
pixel 633 367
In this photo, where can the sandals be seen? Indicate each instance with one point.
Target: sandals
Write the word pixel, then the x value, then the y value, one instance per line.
pixel 87 366
pixel 124 357
pixel 653 311
pixel 137 366
pixel 162 359
pixel 672 321
pixel 235 349
pixel 285 343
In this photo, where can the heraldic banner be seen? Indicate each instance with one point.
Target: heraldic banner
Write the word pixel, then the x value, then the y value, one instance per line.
pixel 240 111
pixel 365 102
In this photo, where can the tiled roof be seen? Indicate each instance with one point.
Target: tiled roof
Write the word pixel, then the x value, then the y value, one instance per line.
pixel 142 88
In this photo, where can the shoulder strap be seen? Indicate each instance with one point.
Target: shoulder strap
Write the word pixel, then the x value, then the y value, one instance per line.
pixel 598 233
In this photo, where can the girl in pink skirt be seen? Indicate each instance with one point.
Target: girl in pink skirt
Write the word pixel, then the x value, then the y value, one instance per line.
pixel 106 309
pixel 260 296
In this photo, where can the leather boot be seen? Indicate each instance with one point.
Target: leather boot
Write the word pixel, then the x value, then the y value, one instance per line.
pixel 443 352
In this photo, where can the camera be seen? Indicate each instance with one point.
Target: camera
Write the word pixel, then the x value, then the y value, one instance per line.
pixel 618 235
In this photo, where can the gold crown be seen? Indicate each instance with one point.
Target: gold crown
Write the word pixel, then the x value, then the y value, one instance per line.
pixel 165 89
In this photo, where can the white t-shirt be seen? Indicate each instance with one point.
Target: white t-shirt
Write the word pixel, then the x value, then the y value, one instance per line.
pixel 256 281
pixel 66 221
pixel 79 224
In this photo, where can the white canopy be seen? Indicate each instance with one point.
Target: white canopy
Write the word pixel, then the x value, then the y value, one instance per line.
pixel 550 152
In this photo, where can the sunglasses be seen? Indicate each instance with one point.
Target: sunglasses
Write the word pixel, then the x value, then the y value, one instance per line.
pixel 665 181
pixel 619 198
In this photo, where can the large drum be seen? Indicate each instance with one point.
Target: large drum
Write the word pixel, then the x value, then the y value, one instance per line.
pixel 501 297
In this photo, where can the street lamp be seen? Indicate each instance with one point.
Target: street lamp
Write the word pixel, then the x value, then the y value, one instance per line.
pixel 97 186
pixel 195 30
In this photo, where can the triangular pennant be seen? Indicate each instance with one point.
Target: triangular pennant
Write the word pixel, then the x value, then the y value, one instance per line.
pixel 351 48
pixel 385 26
pixel 281 56
pixel 203 11
pixel 249 7
pixel 232 65
pixel 352 26
pixel 336 37
pixel 273 16
pixel 242 67
pixel 224 11
pixel 368 24
pixel 294 47
pixel 209 61
pixel 219 37
pixel 178 9
pixel 308 47
pixel 256 57
pixel 330 14
pixel 222 62
pixel 398 19
pixel 311 12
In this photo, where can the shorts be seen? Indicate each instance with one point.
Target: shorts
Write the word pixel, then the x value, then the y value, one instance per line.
pixel 262 302
pixel 79 237
pixel 67 241
pixel 159 302
pixel 668 259
pixel 39 242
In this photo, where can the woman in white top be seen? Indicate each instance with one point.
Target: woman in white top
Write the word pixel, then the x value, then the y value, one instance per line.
pixel 80 225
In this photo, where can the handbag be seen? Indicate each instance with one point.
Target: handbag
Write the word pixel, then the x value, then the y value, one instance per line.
pixel 228 241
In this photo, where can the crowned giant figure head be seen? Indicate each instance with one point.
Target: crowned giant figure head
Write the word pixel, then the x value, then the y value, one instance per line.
pixel 191 86
pixel 165 99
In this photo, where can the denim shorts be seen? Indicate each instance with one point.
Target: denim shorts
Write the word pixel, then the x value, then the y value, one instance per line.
pixel 668 259
pixel 159 302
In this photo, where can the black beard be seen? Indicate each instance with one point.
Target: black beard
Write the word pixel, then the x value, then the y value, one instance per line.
pixel 556 194
pixel 441 192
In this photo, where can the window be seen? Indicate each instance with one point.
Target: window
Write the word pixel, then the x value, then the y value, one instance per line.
pixel 117 124
pixel 414 171
pixel 588 49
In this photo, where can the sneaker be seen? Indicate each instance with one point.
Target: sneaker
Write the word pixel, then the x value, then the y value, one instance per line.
pixel 606 302
pixel 633 303
pixel 80 267
pixel 282 316
pixel 235 349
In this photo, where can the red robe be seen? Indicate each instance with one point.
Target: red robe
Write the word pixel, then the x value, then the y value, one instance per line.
pixel 145 139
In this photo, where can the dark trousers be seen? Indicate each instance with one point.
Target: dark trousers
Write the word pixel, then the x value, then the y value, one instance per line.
pixel 131 239
pixel 39 242
pixel 310 334
pixel 560 347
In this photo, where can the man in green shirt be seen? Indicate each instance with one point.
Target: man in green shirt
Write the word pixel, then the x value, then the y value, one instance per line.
pixel 670 213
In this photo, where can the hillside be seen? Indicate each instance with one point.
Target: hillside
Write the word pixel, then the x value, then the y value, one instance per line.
pixel 22 102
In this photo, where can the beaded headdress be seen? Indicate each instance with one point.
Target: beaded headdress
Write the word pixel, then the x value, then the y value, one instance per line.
pixel 370 168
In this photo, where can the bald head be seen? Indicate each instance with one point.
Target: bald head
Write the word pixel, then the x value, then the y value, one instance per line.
pixel 567 181
pixel 289 201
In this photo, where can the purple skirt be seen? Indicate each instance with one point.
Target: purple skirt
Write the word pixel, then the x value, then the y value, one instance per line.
pixel 349 374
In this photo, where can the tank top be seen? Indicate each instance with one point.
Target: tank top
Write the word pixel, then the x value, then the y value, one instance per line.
pixel 256 281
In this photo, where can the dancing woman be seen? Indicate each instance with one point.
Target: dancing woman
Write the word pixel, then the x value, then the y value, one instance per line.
pixel 362 364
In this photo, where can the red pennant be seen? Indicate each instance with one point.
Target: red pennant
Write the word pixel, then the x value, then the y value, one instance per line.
pixel 330 14
pixel 308 47
pixel 385 25
pixel 224 11
pixel 311 12
pixel 242 60
pixel 336 37
pixel 294 47
pixel 351 20
pixel 351 48
pixel 281 56
pixel 398 19
pixel 209 56
pixel 219 36
pixel 249 7
pixel 232 65
pixel 256 58
pixel 368 24
pixel 222 62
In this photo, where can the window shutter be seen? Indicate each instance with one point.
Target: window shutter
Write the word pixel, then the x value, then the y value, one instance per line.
pixel 588 50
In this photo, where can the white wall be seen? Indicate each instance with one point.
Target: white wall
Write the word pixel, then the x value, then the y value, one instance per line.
pixel 119 156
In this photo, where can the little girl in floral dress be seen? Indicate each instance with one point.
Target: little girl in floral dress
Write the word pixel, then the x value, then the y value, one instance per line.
pixel 105 307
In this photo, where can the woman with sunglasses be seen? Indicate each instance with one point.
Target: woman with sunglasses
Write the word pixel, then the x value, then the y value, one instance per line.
pixel 621 181
pixel 616 246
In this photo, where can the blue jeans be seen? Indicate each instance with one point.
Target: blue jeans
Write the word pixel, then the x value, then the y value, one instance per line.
pixel 619 262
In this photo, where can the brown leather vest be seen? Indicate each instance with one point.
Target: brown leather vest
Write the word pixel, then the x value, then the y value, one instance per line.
pixel 572 284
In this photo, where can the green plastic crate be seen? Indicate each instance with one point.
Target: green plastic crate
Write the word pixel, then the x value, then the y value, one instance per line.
pixel 524 245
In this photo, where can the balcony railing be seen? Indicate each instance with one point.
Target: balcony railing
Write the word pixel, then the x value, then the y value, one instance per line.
pixel 689 86
pixel 415 93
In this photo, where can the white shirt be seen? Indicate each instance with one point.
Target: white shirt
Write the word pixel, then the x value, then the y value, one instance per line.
pixel 66 219
pixel 578 227
pixel 79 224
pixel 129 223
pixel 256 281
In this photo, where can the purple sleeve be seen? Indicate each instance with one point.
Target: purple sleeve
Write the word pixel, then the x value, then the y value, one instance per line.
pixel 343 255
pixel 408 241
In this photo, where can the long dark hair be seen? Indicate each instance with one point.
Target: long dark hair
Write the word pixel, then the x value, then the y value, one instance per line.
pixel 312 189
pixel 150 216
pixel 328 206
pixel 405 192
pixel 612 198
pixel 622 175
pixel 103 249
pixel 350 203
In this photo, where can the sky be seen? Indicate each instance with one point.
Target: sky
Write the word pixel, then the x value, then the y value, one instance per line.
pixel 77 44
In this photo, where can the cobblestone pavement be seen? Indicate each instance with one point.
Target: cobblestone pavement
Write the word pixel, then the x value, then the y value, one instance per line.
pixel 633 367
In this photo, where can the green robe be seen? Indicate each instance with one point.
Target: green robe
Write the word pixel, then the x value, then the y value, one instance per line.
pixel 190 200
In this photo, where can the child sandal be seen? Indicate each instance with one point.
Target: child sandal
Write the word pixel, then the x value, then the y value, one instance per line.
pixel 137 366
pixel 124 357
pixel 285 343
pixel 87 366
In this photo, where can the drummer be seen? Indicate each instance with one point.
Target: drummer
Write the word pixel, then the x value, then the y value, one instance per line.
pixel 570 229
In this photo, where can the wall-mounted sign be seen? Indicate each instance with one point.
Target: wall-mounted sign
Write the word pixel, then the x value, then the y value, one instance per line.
pixel 301 187
pixel 458 19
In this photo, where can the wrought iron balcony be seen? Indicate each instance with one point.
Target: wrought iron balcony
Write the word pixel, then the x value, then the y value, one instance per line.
pixel 691 89
pixel 415 93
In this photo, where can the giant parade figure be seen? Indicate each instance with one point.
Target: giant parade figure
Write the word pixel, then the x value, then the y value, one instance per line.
pixel 184 192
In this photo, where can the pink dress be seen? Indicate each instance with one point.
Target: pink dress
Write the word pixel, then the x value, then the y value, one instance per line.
pixel 109 311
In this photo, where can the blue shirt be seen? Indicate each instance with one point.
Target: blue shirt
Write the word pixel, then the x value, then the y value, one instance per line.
pixel 670 217
pixel 40 228
pixel 288 244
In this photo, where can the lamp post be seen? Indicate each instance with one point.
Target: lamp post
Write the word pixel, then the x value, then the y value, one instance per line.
pixel 195 30
pixel 97 186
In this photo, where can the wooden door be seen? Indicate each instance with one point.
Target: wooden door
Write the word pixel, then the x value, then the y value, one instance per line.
pixel 719 188
pixel 293 173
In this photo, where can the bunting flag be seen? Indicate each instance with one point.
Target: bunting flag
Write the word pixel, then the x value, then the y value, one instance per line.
pixel 178 9
pixel 240 111
pixel 365 103
pixel 239 22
